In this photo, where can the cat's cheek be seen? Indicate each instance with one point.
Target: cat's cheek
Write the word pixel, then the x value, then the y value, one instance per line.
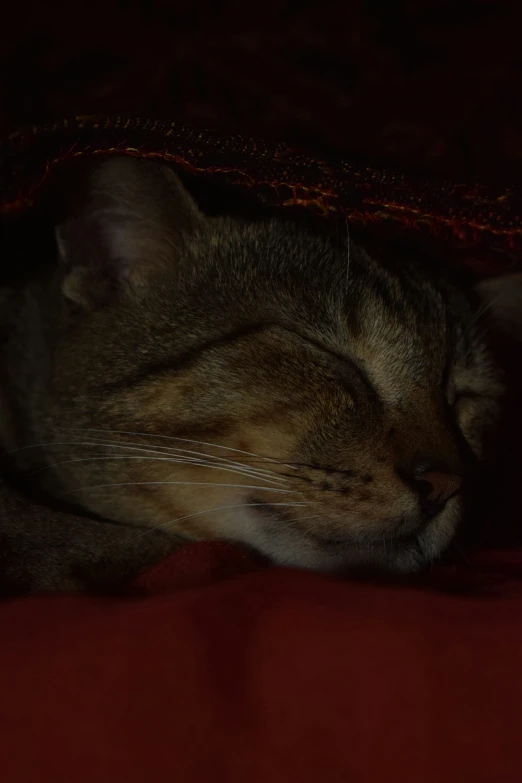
pixel 438 536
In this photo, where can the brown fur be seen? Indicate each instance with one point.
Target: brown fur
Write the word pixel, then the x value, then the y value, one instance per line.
pixel 163 329
pixel 44 548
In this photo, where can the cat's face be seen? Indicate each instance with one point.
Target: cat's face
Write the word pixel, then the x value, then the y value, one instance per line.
pixel 253 383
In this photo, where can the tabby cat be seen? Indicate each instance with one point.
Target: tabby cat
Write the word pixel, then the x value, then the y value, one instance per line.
pixel 218 378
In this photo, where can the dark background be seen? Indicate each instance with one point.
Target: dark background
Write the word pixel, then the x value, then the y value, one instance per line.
pixel 433 85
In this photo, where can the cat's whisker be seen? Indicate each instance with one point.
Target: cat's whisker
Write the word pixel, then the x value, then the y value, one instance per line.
pixel 265 476
pixel 487 304
pixel 179 483
pixel 184 440
pixel 175 450
pixel 288 524
pixel 210 510
pixel 194 463
pixel 275 476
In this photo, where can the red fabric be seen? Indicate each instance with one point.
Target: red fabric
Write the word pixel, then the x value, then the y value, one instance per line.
pixel 223 670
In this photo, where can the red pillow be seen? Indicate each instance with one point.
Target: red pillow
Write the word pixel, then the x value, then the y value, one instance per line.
pixel 221 670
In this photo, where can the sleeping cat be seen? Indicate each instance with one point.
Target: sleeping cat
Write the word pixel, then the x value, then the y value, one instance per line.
pixel 217 378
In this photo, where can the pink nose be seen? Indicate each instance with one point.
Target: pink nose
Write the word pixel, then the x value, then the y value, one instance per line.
pixel 432 479
pixel 441 486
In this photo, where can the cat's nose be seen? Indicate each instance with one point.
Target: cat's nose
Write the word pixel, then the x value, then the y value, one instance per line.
pixel 434 481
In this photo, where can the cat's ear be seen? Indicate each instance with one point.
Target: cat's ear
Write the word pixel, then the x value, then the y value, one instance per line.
pixel 132 217
pixel 502 303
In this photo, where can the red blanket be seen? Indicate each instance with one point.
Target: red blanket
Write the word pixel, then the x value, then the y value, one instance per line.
pixel 218 669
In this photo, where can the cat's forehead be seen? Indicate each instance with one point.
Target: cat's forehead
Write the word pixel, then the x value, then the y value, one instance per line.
pixel 400 313
pixel 354 302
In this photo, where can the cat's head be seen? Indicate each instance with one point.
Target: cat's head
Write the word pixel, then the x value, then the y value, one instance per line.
pixel 255 383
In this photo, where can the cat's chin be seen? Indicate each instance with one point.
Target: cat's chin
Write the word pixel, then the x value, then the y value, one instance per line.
pixel 405 554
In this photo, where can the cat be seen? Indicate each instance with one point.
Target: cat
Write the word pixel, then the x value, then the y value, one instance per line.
pixel 216 378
